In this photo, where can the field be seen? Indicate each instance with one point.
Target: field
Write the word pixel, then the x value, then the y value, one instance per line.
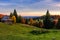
pixel 22 32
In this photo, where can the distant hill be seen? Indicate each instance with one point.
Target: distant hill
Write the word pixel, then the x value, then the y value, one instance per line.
pixel 27 17
pixel 42 17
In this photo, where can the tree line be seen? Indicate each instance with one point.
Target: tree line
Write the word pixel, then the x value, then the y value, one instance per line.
pixel 46 23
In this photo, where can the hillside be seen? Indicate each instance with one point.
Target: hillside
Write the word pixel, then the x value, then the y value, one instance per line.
pixel 22 32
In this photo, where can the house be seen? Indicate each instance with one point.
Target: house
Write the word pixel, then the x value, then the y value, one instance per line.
pixel 6 19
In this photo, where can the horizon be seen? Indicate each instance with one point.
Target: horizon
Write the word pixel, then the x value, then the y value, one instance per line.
pixel 30 14
pixel 30 7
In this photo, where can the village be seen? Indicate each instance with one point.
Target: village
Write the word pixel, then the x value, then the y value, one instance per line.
pixel 37 21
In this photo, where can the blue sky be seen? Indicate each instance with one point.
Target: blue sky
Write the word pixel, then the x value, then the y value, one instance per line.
pixel 30 7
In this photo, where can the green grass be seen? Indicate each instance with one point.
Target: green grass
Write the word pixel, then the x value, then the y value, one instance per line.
pixel 22 32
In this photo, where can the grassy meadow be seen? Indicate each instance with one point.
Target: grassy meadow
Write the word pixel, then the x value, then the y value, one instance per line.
pixel 22 32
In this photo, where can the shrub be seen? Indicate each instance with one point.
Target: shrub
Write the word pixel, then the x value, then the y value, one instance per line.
pixel 37 32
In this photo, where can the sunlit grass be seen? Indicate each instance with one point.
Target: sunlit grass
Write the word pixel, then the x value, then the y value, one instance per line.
pixel 22 32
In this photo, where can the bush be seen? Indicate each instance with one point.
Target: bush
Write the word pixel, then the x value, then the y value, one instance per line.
pixel 37 32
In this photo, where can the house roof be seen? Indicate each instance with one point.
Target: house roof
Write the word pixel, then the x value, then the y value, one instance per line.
pixel 5 18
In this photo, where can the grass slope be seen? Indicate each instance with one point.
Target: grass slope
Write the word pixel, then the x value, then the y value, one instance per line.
pixel 22 32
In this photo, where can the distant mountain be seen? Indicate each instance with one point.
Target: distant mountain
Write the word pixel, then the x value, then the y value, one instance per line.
pixel 41 17
pixel 27 17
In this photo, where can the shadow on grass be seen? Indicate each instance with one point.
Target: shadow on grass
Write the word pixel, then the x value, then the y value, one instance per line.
pixel 38 32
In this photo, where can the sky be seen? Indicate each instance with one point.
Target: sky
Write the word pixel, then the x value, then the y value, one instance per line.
pixel 30 7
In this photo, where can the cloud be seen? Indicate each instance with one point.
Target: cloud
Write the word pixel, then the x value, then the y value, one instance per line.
pixel 56 0
pixel 29 6
pixel 55 5
pixel 5 4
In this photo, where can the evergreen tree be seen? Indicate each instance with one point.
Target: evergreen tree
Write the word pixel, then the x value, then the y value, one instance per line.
pixel 15 13
pixel 27 20
pixel 19 19
pixel 58 24
pixel 11 14
pixel 47 21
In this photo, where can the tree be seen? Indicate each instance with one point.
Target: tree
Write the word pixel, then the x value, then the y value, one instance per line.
pixel 40 24
pixel 19 19
pixel 11 14
pixel 14 19
pixel 23 20
pixel 1 16
pixel 55 21
pixel 47 20
pixel 31 21
pixel 58 24
pixel 15 14
pixel 27 20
